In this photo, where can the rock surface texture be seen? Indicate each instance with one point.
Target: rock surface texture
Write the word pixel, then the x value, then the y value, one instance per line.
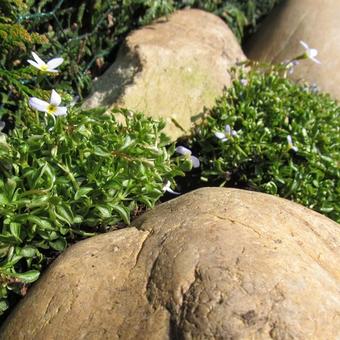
pixel 171 69
pixel 314 21
pixel 213 264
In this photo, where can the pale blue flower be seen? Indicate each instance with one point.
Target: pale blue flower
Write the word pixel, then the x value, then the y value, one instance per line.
pixel 187 153
pixel 227 134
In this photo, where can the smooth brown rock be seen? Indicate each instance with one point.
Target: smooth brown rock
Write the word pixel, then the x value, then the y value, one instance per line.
pixel 316 22
pixel 213 264
pixel 171 69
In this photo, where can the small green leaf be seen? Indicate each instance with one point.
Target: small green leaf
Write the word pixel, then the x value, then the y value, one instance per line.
pixel 3 306
pixel 59 244
pixel 124 214
pixel 81 192
pixel 98 151
pixel 13 260
pixel 10 187
pixel 42 223
pixel 104 211
pixel 28 251
pixel 8 238
pixel 64 214
pixel 3 199
pixel 15 229
pixel 127 142
pixel 28 277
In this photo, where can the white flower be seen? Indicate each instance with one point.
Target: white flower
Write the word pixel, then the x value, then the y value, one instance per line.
pixel 228 133
pixel 290 144
pixel 167 188
pixel 186 152
pixel 244 81
pixel 50 66
pixel 310 53
pixel 52 107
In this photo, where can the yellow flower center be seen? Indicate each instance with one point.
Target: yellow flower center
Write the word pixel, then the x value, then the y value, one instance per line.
pixel 44 68
pixel 51 108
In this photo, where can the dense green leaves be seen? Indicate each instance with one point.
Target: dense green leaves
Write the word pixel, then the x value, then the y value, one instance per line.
pixel 265 108
pixel 61 178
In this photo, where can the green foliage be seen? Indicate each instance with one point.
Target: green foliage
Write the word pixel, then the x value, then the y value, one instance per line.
pixel 264 107
pixel 89 33
pixel 15 41
pixel 9 9
pixel 73 175
pixel 14 38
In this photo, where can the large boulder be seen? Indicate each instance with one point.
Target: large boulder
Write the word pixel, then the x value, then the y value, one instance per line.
pixel 171 69
pixel 213 264
pixel 315 22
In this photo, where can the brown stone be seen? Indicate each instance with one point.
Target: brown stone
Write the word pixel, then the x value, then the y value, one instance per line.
pixel 315 22
pixel 216 263
pixel 171 69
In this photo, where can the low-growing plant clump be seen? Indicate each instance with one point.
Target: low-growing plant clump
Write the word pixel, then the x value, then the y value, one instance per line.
pixel 73 176
pixel 269 134
pixel 67 173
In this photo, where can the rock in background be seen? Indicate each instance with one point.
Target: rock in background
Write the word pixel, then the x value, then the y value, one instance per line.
pixel 216 263
pixel 316 22
pixel 171 69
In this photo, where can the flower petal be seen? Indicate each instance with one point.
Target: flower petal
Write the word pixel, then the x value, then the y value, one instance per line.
pixel 33 63
pixel 38 104
pixel 220 135
pixel 168 189
pixel 315 60
pixel 182 150
pixel 166 186
pixel 54 63
pixel 61 111
pixel 55 98
pixel 227 130
pixel 234 133
pixel 173 192
pixel 304 44
pixel 313 53
pixel 195 162
pixel 38 59
pixel 289 140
